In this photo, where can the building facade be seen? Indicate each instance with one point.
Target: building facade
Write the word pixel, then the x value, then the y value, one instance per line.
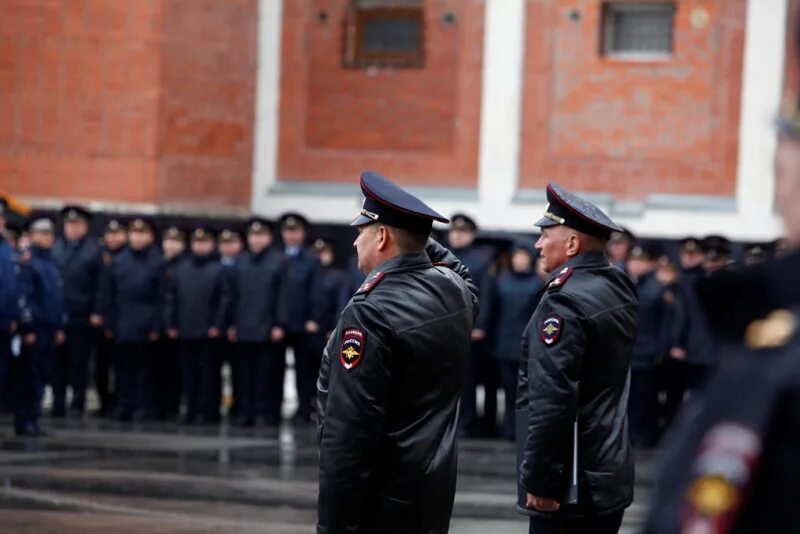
pixel 660 111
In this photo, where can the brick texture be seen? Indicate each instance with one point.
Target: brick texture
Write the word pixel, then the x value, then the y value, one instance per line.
pixel 632 128
pixel 91 94
pixel 419 126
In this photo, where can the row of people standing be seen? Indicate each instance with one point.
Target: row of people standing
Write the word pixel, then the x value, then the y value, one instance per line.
pixel 160 320
pixel 674 352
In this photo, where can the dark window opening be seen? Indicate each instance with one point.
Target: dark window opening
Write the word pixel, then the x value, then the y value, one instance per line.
pixel 638 30
pixel 384 33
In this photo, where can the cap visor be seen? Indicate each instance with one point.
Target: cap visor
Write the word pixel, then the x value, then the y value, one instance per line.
pixel 544 222
pixel 361 220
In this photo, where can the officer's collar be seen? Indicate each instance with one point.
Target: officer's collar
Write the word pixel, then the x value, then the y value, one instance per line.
pixel 585 259
pixel 403 262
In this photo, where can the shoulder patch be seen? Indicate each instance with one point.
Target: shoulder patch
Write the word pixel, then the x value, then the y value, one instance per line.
pixel 560 279
pixel 774 331
pixel 352 349
pixel 551 329
pixel 370 283
pixel 722 473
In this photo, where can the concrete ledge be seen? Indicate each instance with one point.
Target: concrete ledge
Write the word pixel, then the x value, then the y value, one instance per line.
pixel 353 190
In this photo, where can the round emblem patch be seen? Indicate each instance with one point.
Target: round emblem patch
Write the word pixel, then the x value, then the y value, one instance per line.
pixel 551 329
pixel 352 348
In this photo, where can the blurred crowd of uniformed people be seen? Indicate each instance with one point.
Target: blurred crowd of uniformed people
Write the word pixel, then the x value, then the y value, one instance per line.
pixel 150 317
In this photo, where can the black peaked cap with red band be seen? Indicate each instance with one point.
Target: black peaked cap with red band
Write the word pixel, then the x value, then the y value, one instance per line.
pixel 390 204
pixel 572 211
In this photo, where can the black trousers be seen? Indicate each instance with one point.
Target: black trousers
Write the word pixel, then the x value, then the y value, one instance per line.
pixel 260 370
pixel 509 375
pixel 28 373
pixel 197 378
pixel 643 409
pixel 304 366
pixel 226 352
pixel 5 363
pixel 134 373
pixel 72 367
pixel 601 524
pixel 481 370
pixel 103 369
pixel 167 378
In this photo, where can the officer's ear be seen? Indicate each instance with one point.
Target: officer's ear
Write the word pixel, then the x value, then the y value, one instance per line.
pixel 382 235
pixel 573 244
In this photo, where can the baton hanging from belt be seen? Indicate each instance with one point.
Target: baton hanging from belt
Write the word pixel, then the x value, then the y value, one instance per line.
pixel 572 495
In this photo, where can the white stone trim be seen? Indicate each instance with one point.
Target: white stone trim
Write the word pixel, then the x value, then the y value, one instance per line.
pixel 268 75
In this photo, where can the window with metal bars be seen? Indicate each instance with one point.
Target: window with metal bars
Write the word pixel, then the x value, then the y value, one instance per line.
pixel 384 33
pixel 641 30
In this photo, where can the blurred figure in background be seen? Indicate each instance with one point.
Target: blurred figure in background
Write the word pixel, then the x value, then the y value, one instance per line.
pixel 717 251
pixel 757 253
pixel 167 362
pixel 12 232
pixel 115 238
pixel 651 343
pixel 132 301
pixel 329 286
pixel 298 313
pixel 78 260
pixel 255 284
pixel 482 368
pixel 229 245
pixel 41 326
pixel 9 304
pixel 195 308
pixel 352 280
pixel 695 345
pixel 619 247
pixel 518 292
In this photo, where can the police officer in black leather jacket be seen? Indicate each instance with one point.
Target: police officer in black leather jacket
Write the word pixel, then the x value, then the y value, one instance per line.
pixel 574 378
pixel 391 375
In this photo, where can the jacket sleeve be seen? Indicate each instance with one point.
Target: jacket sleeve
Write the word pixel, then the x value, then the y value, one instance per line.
pixel 171 300
pixel 157 320
pixel 223 294
pixel 354 414
pixel 316 293
pixel 441 255
pixel 277 296
pixel 487 296
pixel 25 294
pixel 95 273
pixel 554 370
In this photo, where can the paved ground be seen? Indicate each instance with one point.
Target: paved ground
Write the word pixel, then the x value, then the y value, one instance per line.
pixel 98 476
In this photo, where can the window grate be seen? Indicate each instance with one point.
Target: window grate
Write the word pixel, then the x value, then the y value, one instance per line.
pixel 384 33
pixel 638 30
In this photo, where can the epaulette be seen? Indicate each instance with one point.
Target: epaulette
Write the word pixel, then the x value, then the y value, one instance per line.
pixel 560 279
pixel 370 283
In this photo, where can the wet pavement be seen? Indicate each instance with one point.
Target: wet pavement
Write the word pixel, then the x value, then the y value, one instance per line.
pixel 100 476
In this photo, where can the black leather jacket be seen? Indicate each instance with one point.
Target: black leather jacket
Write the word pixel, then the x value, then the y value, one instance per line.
pixel 387 398
pixel 576 363
pixel 732 464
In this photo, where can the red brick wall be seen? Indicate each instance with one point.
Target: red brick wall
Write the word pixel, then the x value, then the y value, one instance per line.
pixel 208 85
pixel 419 126
pixel 90 92
pixel 632 128
pixel 79 89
